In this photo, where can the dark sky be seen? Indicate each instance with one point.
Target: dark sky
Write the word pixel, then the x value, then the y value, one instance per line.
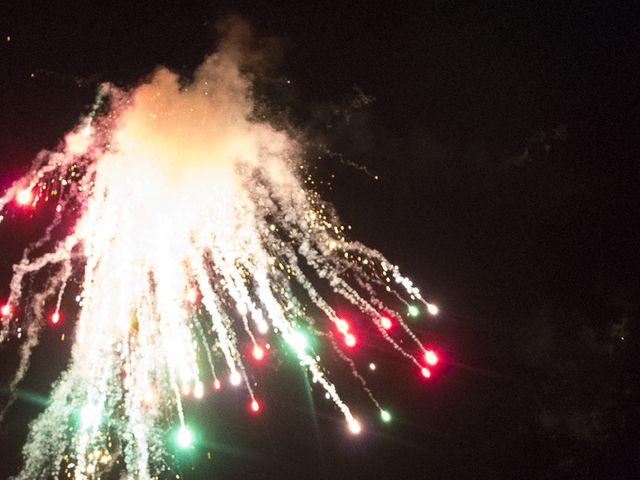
pixel 505 135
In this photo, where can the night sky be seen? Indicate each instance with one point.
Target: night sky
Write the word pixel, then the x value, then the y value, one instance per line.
pixel 505 136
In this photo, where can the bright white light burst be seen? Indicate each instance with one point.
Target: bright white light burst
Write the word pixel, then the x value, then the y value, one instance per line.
pixel 198 243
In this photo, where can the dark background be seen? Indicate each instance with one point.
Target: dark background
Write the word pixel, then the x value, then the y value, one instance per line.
pixel 505 136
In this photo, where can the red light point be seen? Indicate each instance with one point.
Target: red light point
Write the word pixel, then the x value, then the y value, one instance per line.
pixel 255 406
pixel 58 208
pixel 426 373
pixel 5 311
pixel 216 384
pixel 350 340
pixel 55 318
pixel 431 357
pixel 343 326
pixel 386 323
pixel 24 197
pixel 258 352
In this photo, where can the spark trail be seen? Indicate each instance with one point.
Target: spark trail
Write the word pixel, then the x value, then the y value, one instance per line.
pixel 199 241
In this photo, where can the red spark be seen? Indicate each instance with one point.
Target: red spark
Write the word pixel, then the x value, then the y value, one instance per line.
pixel 349 340
pixel 24 197
pixel 431 357
pixel 343 326
pixel 258 352
pixel 386 323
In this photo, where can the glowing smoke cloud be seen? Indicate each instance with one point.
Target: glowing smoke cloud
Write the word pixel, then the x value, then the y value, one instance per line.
pixel 197 236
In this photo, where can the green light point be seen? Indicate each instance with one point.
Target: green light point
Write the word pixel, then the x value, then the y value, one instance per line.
pixel 385 416
pixel 413 311
pixel 184 437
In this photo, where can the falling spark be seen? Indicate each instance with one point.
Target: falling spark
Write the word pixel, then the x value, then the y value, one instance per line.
pixel 258 352
pixel 196 230
pixel 432 309
pixel 184 437
pixel 354 426
pixel 431 357
pixel 350 340
pixel 55 318
pixel 24 196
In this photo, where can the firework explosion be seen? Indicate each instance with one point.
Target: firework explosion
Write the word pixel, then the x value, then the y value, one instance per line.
pixel 201 242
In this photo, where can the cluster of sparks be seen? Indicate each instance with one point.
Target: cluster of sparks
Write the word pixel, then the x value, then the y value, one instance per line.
pixel 197 242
